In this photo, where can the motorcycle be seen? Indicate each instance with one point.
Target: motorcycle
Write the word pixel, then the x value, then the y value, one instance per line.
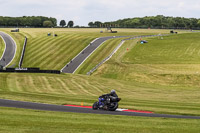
pixel 106 102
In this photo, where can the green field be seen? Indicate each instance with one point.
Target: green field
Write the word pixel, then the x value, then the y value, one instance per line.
pixel 173 61
pixel 161 76
pixel 55 52
pixel 176 49
pixel 23 121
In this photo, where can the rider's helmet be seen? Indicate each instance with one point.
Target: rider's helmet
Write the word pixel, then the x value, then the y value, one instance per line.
pixel 112 91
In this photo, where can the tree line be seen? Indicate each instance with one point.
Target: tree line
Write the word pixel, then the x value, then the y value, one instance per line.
pixel 28 21
pixel 63 23
pixel 158 21
pixel 32 21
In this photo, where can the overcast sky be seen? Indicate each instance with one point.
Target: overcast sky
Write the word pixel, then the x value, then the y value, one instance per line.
pixel 84 11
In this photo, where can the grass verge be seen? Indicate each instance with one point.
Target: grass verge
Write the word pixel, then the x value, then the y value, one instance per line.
pixel 32 121
pixel 75 89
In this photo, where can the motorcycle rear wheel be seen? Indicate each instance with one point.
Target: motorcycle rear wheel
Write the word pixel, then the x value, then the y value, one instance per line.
pixel 113 108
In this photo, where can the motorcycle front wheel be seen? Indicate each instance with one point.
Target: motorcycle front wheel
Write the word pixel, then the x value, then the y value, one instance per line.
pixel 95 106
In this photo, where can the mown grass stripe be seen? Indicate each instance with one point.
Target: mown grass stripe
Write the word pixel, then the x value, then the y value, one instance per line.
pixel 82 88
pixel 48 41
pixel 35 46
pixel 32 84
pixel 35 55
pixel 42 46
pixel 54 50
pixel 42 88
pixel 28 55
pixel 96 89
pixel 47 86
pixel 19 84
pixel 37 61
pixel 3 82
pixel 64 87
pixel 63 55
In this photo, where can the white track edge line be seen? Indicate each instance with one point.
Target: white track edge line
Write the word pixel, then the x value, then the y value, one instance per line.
pixel 79 53
pixel 88 56
pixel 15 49
pixel 4 49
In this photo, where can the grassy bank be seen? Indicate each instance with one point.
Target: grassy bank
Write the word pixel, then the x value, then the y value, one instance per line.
pixel 74 89
pixel 173 61
pixel 48 52
pixel 101 53
pixel 55 52
pixel 20 121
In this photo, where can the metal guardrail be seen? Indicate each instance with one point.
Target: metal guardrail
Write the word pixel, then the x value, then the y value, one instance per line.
pixel 116 49
pixel 23 52
pixel 107 58
pixel 28 70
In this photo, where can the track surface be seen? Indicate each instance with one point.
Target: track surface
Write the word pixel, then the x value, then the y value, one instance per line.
pixel 60 108
pixel 73 65
pixel 10 50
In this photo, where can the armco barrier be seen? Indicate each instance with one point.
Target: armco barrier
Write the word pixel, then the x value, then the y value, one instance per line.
pixel 23 52
pixel 28 70
pixel 107 58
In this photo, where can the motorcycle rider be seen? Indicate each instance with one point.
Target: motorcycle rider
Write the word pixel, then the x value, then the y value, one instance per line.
pixel 111 95
pixel 107 101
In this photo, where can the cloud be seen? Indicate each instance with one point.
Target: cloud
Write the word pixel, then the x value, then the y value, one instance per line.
pixel 84 11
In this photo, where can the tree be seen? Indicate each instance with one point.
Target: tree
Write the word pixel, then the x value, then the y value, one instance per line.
pixel 90 24
pixel 70 24
pixel 62 23
pixel 198 23
pixel 97 24
pixel 33 21
pixel 135 22
pixel 54 21
pixel 1 21
pixel 194 22
pixel 36 22
pixel 47 24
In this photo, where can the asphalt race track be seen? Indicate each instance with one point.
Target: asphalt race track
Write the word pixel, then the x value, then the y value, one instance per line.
pixel 10 50
pixel 73 65
pixel 61 108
